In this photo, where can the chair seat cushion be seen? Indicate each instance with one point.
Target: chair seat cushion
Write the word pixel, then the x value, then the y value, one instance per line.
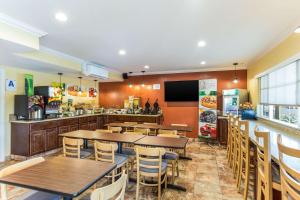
pixel 164 166
pixel 37 195
pixel 120 159
pixel 170 156
pixel 128 151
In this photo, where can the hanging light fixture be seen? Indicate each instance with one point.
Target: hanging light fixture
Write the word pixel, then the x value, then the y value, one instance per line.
pixel 95 90
pixel 80 91
pixel 235 80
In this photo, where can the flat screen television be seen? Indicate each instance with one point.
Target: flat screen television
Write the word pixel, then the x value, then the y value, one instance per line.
pixel 182 90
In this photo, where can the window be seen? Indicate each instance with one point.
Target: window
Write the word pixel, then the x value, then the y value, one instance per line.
pixel 280 95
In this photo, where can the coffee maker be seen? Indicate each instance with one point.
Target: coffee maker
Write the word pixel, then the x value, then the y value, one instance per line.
pixel 29 108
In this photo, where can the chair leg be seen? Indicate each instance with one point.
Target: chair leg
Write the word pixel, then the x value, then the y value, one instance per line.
pixel 238 182
pixel 246 181
pixel 258 188
pixel 173 171
pixel 177 167
pixel 166 180
pixel 159 187
pixel 113 176
pixel 137 186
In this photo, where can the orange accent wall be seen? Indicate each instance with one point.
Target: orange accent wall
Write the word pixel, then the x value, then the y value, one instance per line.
pixel 113 94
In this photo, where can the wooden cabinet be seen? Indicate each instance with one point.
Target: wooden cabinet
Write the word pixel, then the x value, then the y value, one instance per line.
pixel 84 126
pixel 73 127
pixel 38 142
pixel 222 127
pixel 93 126
pixel 51 139
pixel 61 130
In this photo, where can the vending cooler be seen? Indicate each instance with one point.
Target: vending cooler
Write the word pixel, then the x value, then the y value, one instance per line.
pixel 232 100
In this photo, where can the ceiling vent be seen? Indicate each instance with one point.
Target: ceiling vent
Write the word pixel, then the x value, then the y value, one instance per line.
pixel 94 70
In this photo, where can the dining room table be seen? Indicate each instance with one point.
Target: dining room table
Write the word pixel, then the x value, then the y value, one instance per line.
pixel 164 127
pixel 66 177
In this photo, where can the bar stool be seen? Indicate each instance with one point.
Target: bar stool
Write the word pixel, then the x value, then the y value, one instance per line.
pixel 234 128
pixel 230 124
pixel 267 179
pixel 290 177
pixel 237 147
pixel 244 165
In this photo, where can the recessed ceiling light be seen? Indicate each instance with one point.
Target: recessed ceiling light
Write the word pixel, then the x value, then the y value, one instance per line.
pixel 297 30
pixel 122 52
pixel 60 16
pixel 201 43
pixel 203 62
pixel 146 67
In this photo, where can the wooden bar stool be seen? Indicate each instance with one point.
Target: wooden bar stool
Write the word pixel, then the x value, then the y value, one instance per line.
pixel 267 179
pixel 244 164
pixel 230 125
pixel 238 132
pixel 290 177
pixel 234 128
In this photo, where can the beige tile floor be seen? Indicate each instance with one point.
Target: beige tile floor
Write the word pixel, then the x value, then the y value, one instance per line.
pixel 206 177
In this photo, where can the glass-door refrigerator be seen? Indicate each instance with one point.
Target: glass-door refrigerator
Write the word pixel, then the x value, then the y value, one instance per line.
pixel 232 99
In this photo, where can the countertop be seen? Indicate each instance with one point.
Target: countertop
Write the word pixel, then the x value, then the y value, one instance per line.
pixel 86 115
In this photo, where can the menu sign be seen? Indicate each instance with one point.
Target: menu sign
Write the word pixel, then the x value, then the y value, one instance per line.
pixel 208 108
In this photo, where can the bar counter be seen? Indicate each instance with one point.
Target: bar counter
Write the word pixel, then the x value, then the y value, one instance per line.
pixel 29 138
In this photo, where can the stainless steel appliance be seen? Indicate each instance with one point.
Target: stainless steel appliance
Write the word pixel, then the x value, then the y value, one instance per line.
pixel 232 99
pixel 29 107
pixel 36 112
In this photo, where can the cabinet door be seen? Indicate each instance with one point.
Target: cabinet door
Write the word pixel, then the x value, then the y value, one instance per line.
pixel 73 128
pixel 92 126
pixel 84 126
pixel 37 142
pixel 222 131
pixel 51 139
pixel 61 130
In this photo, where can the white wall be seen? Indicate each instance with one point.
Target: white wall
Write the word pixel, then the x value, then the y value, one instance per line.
pixel 2 112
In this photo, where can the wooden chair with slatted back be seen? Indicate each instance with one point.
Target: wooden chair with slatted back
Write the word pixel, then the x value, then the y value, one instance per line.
pixel 181 133
pixel 115 129
pixel 244 165
pixel 237 148
pixel 72 148
pixel 172 157
pixel 105 152
pixel 115 190
pixel 234 131
pixel 144 131
pixel 230 123
pixel 130 128
pixel 290 176
pixel 167 132
pixel 150 165
pixel 152 131
pixel 267 179
pixel 103 131
pixel 5 195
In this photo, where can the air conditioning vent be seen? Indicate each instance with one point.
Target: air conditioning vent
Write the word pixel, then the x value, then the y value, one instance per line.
pixel 94 70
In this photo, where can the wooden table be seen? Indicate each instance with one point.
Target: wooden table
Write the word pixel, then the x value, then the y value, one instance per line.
pixel 68 177
pixel 165 142
pixel 157 126
pixel 110 137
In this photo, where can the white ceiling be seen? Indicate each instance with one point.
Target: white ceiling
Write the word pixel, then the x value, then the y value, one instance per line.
pixel 160 33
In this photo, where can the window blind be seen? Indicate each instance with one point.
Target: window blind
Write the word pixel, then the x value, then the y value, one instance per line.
pixel 282 86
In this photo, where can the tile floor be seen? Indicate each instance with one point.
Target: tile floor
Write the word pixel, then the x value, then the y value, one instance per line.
pixel 207 177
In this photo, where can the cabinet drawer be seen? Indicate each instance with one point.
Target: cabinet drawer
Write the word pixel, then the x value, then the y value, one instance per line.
pixel 43 125
pixel 83 120
pixel 92 119
pixel 84 126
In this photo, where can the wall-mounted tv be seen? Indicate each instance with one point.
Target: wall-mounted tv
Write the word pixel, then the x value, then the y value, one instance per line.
pixel 182 90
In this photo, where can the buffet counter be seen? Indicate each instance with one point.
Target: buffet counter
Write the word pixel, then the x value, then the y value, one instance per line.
pixel 30 138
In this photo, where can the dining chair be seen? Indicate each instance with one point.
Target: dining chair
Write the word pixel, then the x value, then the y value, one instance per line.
pixel 130 128
pixel 171 157
pixel 244 159
pixel 150 165
pixel 169 132
pixel 31 194
pixel 144 131
pixel 103 131
pixel 230 124
pixel 181 133
pixel 72 148
pixel 268 178
pixel 115 190
pixel 105 152
pixel 289 174
pixel 152 131
pixel 115 129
